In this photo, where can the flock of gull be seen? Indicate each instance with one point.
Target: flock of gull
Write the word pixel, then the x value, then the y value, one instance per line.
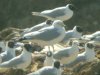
pixel 50 33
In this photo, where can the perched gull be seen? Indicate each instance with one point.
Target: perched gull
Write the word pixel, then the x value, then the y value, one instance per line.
pixel 87 56
pixel 37 27
pixel 94 37
pixel 76 32
pixel 90 36
pixel 46 36
pixel 49 60
pixel 59 13
pixel 68 54
pixel 22 61
pixel 49 70
pixel 9 52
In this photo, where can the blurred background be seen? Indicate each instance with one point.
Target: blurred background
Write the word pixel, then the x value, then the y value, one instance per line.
pixel 17 13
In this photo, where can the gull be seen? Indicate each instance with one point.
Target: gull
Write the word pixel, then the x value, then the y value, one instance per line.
pixel 49 70
pixel 94 38
pixel 37 27
pixel 87 56
pixel 22 61
pixel 76 32
pixel 68 54
pixel 91 36
pixel 49 60
pixel 47 36
pixel 9 53
pixel 60 13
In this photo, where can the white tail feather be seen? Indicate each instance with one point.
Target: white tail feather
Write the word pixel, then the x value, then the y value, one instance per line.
pixel 36 13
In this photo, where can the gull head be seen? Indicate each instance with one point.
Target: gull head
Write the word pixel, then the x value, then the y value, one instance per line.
pixel 71 7
pixel 49 22
pixel 90 45
pixel 11 44
pixel 31 48
pixel 58 23
pixel 49 54
pixel 78 29
pixel 57 64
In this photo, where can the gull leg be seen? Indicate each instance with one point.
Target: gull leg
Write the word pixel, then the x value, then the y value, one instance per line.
pixel 49 48
pixel 53 48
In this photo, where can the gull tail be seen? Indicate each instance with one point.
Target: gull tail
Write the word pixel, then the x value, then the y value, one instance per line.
pixel 36 13
pixel 39 14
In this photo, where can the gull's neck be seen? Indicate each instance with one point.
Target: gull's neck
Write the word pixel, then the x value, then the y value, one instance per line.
pixel 90 53
pixel 10 50
pixel 88 50
pixel 74 45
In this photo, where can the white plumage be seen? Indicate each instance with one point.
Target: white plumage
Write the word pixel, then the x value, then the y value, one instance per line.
pixel 49 60
pixel 49 70
pixel 19 62
pixel 67 54
pixel 46 36
pixel 87 56
pixel 76 32
pixel 59 13
pixel 37 27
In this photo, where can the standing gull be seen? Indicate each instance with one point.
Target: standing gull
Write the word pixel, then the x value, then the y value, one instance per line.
pixel 37 27
pixel 59 13
pixel 47 36
pixel 76 32
pixel 68 54
pixel 49 70
pixel 22 61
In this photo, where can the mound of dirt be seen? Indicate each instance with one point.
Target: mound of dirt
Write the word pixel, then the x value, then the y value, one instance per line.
pixel 9 33
pixel 90 68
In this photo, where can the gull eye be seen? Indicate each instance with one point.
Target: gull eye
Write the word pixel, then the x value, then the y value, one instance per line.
pixel 72 7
